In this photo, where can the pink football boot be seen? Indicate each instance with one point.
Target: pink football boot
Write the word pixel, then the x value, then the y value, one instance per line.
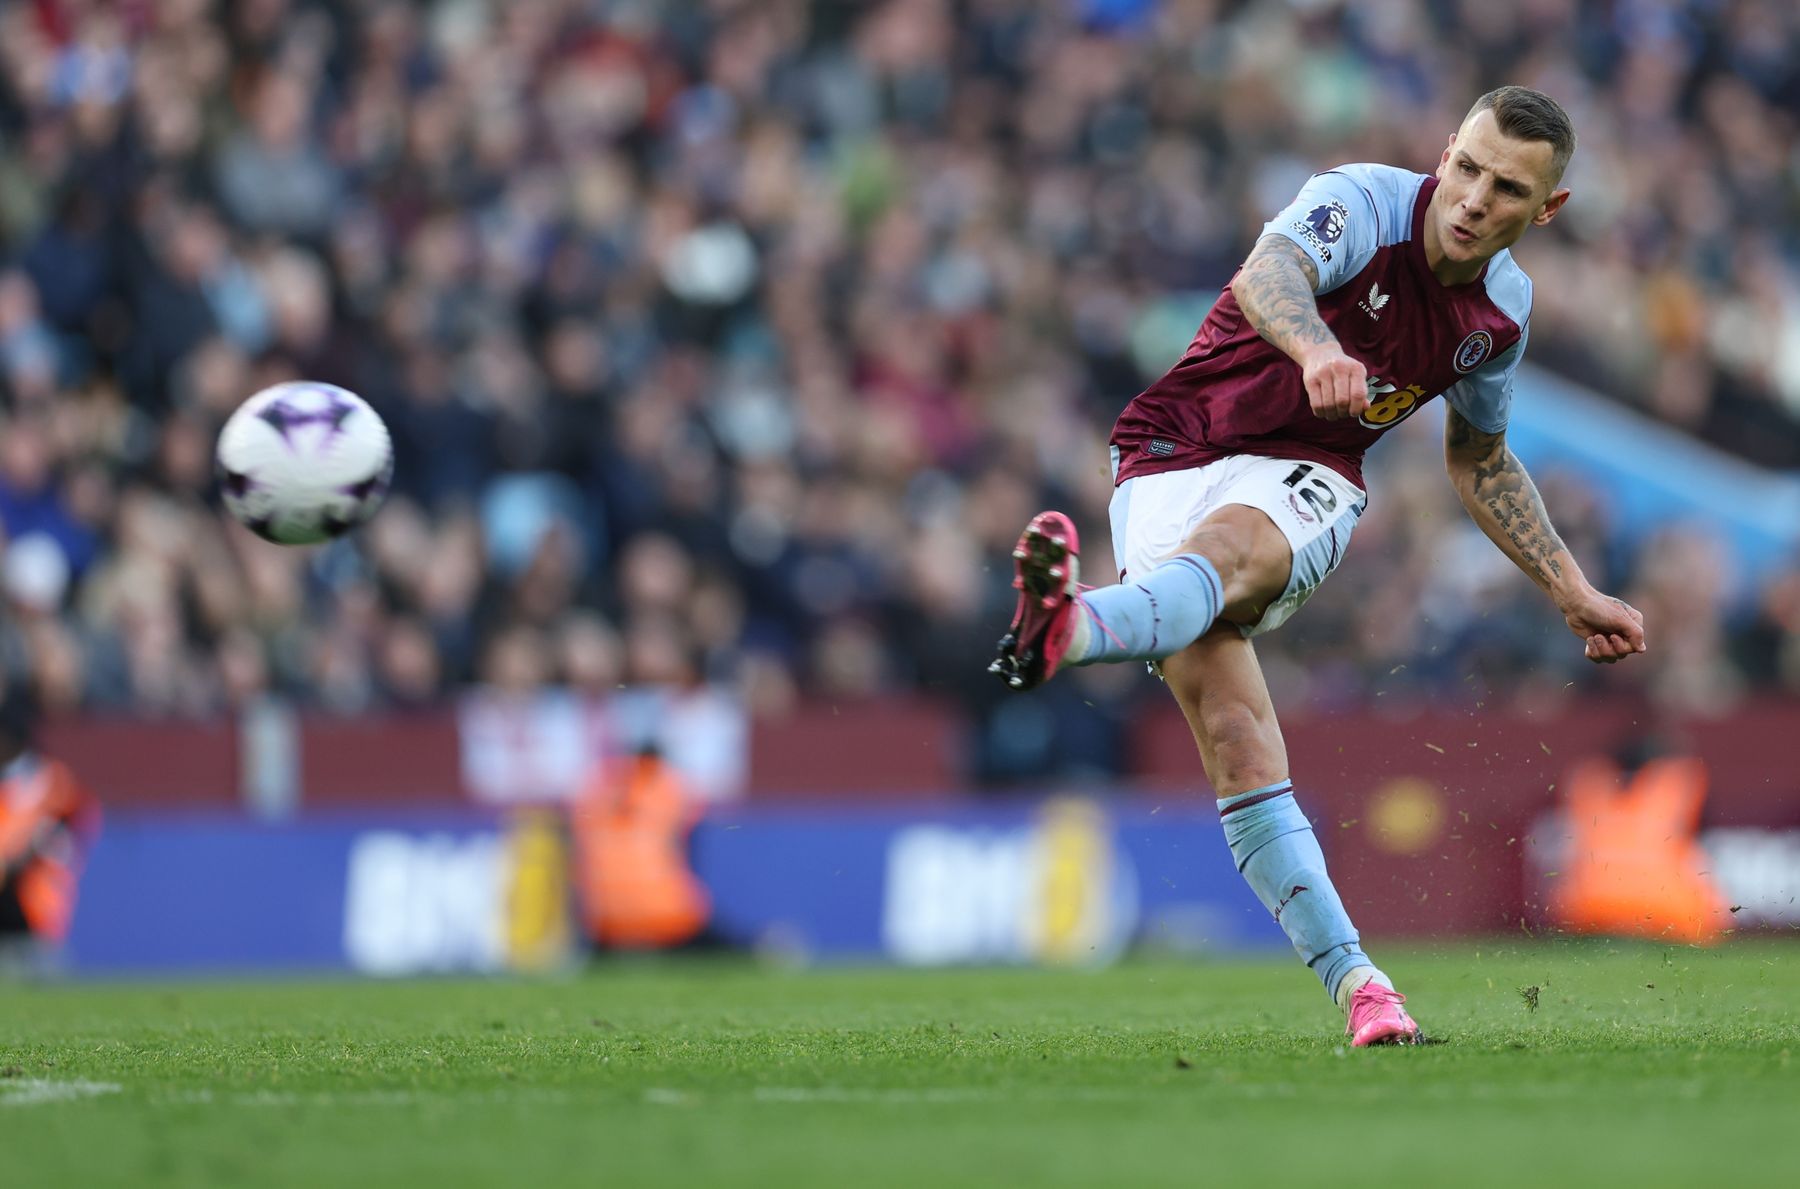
pixel 1376 1018
pixel 1047 575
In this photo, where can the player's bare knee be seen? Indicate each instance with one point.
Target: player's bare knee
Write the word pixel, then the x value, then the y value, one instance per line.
pixel 1223 545
pixel 1232 549
pixel 1239 735
pixel 1252 557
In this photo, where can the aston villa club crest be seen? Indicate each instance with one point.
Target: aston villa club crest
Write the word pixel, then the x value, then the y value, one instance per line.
pixel 1474 351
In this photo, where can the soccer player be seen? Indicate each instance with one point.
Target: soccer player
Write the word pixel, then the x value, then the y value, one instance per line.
pixel 1238 479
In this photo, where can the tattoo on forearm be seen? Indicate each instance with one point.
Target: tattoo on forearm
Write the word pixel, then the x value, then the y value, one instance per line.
pixel 1275 291
pixel 1500 487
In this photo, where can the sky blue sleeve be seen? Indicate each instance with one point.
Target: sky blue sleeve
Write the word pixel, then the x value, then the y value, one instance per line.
pixel 1484 398
pixel 1335 221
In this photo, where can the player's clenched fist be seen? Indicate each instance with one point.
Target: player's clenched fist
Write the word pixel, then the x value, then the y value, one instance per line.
pixel 1337 385
pixel 1611 628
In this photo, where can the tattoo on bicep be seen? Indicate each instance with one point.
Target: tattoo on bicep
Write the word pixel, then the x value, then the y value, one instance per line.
pixel 1463 438
pixel 1502 488
pixel 1275 291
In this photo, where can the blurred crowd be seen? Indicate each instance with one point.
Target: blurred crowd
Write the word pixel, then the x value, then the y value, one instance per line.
pixel 733 341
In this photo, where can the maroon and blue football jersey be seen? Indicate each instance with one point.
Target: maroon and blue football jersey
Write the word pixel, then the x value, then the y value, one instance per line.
pixel 1235 393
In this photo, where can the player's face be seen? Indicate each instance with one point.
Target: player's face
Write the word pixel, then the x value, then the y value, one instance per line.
pixel 1491 187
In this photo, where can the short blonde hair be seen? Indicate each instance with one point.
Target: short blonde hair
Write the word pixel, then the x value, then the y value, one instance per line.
pixel 1525 114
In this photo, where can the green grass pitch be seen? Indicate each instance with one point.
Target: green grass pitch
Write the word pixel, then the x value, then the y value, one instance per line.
pixel 1640 1065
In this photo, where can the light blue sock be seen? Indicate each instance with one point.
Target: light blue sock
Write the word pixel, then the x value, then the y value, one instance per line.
pixel 1279 857
pixel 1158 615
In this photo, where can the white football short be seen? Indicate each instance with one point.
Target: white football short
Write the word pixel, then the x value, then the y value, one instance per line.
pixel 1314 507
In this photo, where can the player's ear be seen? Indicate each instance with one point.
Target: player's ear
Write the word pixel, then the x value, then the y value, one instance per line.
pixel 1551 205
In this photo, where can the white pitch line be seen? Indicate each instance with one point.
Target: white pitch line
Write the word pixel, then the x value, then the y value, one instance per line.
pixel 884 1097
pixel 893 1096
pixel 40 1091
pixel 358 1098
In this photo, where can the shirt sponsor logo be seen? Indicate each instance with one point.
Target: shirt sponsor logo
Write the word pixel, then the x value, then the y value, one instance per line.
pixel 1373 304
pixel 1390 403
pixel 1324 225
pixel 1474 351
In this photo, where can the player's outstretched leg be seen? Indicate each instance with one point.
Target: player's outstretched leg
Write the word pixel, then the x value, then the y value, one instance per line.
pixel 1058 624
pixel 1221 691
pixel 1279 857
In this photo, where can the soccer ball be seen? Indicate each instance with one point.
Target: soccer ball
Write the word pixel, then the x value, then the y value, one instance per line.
pixel 300 462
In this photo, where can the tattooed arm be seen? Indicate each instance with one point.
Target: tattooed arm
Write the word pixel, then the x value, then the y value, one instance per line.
pixel 1275 290
pixel 1504 503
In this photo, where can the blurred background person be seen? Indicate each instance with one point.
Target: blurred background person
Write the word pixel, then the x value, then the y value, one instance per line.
pixel 634 879
pixel 48 821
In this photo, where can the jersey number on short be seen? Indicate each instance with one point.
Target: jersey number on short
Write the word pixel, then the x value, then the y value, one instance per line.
pixel 1316 491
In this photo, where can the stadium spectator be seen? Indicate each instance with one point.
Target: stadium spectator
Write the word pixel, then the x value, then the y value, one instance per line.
pixel 47 824
pixel 630 823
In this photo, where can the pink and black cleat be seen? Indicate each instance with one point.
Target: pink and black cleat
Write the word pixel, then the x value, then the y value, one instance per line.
pixel 1047 575
pixel 1376 1018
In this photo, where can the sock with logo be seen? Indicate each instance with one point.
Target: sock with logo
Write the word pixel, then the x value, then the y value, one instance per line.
pixel 1156 616
pixel 1279 856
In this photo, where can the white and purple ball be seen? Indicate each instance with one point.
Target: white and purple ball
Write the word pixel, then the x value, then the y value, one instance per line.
pixel 300 463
